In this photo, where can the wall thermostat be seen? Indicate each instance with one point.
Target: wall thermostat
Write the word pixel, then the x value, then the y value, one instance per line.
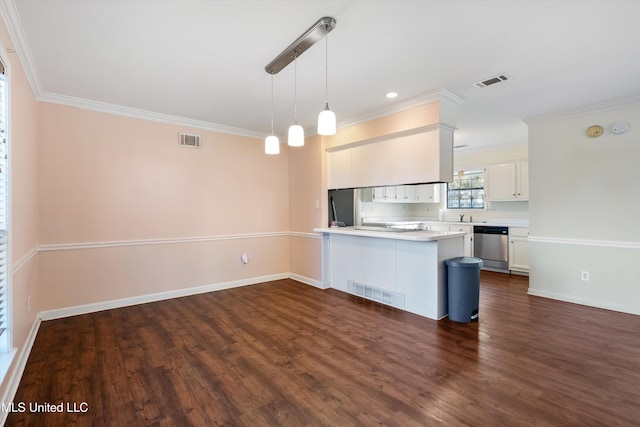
pixel 620 127
pixel 595 131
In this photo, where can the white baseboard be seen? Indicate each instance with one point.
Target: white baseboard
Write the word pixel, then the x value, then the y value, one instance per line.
pixel 308 281
pixel 582 301
pixel 16 375
pixel 142 299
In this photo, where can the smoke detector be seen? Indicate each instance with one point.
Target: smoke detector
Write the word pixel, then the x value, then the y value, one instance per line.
pixel 492 80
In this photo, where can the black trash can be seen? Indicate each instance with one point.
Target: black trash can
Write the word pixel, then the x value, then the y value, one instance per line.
pixel 463 279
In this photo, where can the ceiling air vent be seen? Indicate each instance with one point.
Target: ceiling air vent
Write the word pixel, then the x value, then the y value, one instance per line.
pixel 192 141
pixel 492 80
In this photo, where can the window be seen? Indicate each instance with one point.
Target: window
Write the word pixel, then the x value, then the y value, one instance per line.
pixel 466 191
pixel 4 315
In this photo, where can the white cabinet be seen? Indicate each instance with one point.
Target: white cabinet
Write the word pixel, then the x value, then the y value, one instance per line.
pixel 507 182
pixel 384 194
pixel 374 164
pixel 468 238
pixel 522 180
pixel 519 249
pixel 339 169
pixel 411 159
pixel 468 229
pixel 427 193
pixel 423 193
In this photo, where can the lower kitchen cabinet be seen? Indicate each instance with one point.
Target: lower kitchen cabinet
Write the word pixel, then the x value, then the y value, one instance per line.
pixel 519 250
pixel 468 238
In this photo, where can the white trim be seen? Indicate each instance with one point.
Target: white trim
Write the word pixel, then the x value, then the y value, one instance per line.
pixel 309 281
pixel 14 380
pixel 585 242
pixel 25 259
pixel 423 129
pixel 11 18
pixel 119 243
pixel 120 110
pixel 160 296
pixel 586 110
pixel 306 235
pixel 442 95
pixel 582 301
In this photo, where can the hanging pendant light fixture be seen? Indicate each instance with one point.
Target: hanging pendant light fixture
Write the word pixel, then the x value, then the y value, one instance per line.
pixel 318 30
pixel 272 143
pixel 326 118
pixel 296 132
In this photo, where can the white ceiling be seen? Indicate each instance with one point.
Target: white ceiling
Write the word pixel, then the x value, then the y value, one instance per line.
pixel 204 60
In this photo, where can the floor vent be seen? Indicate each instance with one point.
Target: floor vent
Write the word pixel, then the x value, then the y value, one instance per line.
pixel 373 293
pixel 492 80
pixel 192 141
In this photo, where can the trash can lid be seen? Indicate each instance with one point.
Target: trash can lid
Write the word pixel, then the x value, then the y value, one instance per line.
pixel 465 262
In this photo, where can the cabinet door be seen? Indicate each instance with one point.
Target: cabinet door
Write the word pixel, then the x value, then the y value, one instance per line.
pixel 339 169
pixel 425 193
pixel 519 254
pixel 468 244
pixel 468 238
pixel 405 193
pixel 500 182
pixel 418 157
pixel 522 180
pixel 374 164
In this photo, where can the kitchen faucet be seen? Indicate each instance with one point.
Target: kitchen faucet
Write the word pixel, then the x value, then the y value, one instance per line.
pixel 461 217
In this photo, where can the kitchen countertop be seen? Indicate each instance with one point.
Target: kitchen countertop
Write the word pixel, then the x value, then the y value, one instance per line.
pixel 493 222
pixel 417 235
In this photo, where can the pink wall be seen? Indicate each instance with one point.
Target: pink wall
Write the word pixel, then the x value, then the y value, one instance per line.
pixel 127 181
pixel 105 177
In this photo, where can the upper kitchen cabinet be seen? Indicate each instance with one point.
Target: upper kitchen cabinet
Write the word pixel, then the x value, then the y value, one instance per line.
pixel 374 164
pixel 507 182
pixel 425 157
pixel 339 169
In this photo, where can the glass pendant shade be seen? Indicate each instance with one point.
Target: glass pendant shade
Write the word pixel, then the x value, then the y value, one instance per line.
pixel 327 122
pixel 272 145
pixel 296 136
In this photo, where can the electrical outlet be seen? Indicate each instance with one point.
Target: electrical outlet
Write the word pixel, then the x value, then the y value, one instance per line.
pixel 584 276
pixel 244 259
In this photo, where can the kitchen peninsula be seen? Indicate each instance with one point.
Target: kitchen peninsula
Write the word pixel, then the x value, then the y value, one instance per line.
pixel 404 269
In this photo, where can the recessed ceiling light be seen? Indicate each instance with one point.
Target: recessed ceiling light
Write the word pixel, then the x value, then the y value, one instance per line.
pixel 391 94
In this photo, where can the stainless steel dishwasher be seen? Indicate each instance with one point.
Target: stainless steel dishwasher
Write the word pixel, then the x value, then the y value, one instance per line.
pixel 490 244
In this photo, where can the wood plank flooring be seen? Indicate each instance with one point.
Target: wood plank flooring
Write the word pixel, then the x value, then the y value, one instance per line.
pixel 284 353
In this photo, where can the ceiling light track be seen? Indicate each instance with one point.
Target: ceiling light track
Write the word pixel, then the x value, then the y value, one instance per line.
pixel 310 37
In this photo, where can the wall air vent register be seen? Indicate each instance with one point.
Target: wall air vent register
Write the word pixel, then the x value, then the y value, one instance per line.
pixel 191 141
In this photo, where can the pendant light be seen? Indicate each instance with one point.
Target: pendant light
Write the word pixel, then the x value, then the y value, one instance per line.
pixel 272 143
pixel 296 132
pixel 326 118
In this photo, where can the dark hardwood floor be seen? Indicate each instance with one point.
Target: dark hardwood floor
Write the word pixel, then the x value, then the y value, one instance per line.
pixel 284 353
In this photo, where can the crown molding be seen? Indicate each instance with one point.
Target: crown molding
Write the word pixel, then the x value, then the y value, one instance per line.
pixel 441 95
pixel 10 16
pixel 600 107
pixel 120 110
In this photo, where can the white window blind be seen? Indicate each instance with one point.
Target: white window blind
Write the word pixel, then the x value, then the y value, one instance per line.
pixel 3 202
